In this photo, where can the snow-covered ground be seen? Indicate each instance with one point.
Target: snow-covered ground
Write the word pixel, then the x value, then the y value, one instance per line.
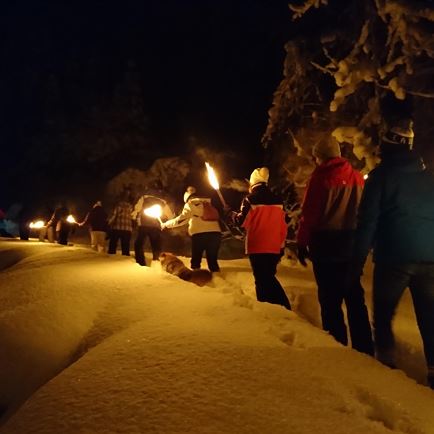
pixel 92 343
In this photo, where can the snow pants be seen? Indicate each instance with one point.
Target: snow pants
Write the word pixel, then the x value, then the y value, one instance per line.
pixel 155 239
pixel 390 281
pixel 268 288
pixel 97 240
pixel 115 236
pixel 333 290
pixel 208 242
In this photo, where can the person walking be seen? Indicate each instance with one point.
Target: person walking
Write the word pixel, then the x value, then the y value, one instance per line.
pixel 396 218
pixel 121 227
pixel 203 227
pixel 96 218
pixel 149 227
pixel 261 215
pixel 326 236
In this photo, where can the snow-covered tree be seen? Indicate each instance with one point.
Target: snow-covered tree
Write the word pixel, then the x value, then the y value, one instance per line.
pixel 353 67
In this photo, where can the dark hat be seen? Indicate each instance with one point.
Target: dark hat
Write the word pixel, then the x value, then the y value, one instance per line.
pixel 399 135
pixel 327 148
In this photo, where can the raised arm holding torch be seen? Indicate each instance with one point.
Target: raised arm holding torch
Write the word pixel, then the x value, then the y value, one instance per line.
pixel 214 183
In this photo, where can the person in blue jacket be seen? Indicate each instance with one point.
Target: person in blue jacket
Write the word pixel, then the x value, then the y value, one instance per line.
pixel 396 219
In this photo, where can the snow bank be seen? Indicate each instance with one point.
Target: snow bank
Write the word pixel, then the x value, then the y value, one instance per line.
pixel 156 354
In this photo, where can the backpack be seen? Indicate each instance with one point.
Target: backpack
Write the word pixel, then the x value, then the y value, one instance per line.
pixel 210 213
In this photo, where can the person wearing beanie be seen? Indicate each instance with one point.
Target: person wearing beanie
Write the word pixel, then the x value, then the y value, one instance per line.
pixel 396 219
pixel 261 215
pixel 202 219
pixel 325 236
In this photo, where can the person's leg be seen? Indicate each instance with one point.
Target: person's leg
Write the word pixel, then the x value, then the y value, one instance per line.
pixel 357 313
pixel 389 284
pixel 213 241
pixel 422 292
pixel 197 249
pixel 113 242
pixel 155 240
pixel 268 288
pixel 277 292
pixel 330 297
pixel 125 242
pixel 93 240
pixel 101 241
pixel 51 234
pixel 139 251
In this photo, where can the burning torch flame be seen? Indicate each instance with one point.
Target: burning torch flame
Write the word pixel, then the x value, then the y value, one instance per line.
pixel 154 211
pixel 212 177
pixel 365 176
pixel 37 225
pixel 71 219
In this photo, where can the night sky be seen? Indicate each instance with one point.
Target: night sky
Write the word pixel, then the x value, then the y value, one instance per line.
pixel 207 69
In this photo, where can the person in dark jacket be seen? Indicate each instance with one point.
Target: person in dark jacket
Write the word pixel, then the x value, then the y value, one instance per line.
pixel 396 218
pixel 60 212
pixel 261 215
pixel 121 227
pixel 96 218
pixel 326 236
pixel 149 227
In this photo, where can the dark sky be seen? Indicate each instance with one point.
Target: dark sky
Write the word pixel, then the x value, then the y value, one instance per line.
pixel 208 68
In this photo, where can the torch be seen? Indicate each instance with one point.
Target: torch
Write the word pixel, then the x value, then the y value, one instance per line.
pixel 215 184
pixel 37 224
pixel 71 219
pixel 154 211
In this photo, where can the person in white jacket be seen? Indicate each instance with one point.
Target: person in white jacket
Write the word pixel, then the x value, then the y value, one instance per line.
pixel 203 227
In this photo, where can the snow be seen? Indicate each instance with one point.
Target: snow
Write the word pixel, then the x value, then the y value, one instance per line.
pixel 93 343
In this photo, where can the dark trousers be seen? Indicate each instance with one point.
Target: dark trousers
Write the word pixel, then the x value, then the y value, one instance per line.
pixel 208 242
pixel 154 235
pixel 390 281
pixel 115 236
pixel 333 290
pixel 268 288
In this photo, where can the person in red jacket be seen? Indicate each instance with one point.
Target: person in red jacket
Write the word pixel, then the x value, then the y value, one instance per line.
pixel 326 236
pixel 262 216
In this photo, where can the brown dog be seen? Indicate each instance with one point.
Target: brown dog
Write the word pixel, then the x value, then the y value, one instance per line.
pixel 173 265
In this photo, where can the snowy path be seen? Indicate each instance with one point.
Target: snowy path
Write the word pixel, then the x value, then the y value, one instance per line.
pixel 156 354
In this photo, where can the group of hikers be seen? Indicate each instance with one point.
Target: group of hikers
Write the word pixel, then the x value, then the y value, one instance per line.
pixel 342 218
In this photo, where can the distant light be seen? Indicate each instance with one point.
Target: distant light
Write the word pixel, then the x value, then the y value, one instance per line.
pixel 365 176
pixel 71 219
pixel 37 224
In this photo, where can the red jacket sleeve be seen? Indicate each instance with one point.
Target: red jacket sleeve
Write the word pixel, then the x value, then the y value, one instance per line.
pixel 312 209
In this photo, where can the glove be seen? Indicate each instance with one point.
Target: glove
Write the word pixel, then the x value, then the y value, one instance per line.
pixel 302 254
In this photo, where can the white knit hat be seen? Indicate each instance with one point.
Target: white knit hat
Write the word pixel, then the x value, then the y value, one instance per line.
pixel 189 192
pixel 261 174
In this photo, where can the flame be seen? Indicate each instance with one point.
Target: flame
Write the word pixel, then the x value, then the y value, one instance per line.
pixel 71 219
pixel 154 211
pixel 37 224
pixel 365 176
pixel 212 177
